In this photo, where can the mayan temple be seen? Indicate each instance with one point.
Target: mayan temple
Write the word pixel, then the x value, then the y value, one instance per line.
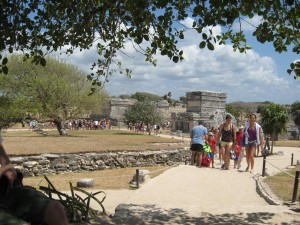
pixel 201 105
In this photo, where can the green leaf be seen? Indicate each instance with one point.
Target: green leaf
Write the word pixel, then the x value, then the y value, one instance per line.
pixel 4 61
pixel 175 59
pixel 292 65
pixel 181 35
pixel 202 44
pixel 138 40
pixel 5 69
pixel 164 52
pixel 204 36
pixel 43 62
pixel 210 46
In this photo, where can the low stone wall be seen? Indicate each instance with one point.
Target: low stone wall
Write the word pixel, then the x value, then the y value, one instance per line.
pixel 46 164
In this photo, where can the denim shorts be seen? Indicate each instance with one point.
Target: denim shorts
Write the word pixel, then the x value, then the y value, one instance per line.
pixel 252 143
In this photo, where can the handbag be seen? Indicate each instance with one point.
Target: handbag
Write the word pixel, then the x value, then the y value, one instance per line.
pixel 232 154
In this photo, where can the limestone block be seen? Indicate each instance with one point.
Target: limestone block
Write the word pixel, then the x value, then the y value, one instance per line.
pixel 44 162
pixel 51 156
pixel 17 160
pixel 35 158
pixel 30 164
pixel 86 182
pixel 280 153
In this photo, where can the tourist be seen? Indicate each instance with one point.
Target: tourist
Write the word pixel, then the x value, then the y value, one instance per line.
pixel 227 132
pixel 267 144
pixel 198 138
pixel 239 140
pixel 212 143
pixel 25 202
pixel 253 137
pixel 157 129
pixel 259 149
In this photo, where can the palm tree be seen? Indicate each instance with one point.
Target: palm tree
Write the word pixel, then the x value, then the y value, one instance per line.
pixel 295 110
pixel 274 120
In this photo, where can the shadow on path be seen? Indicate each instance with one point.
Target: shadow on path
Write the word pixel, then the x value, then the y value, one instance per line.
pixel 149 214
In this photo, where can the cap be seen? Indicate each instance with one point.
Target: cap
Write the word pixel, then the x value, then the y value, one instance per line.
pixel 241 127
pixel 210 134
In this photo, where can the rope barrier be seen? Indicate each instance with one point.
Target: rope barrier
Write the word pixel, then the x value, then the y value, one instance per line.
pixel 280 169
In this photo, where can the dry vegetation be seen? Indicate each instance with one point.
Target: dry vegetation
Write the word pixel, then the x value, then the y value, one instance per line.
pixel 31 143
pixel 283 185
pixel 104 179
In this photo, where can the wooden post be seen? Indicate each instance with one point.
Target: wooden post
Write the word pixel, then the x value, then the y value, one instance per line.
pixel 296 183
pixel 137 176
pixel 292 159
pixel 264 166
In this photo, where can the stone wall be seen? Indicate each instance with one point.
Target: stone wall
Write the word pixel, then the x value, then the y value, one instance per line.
pixel 46 164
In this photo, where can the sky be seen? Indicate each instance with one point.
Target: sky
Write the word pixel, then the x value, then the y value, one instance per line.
pixel 256 76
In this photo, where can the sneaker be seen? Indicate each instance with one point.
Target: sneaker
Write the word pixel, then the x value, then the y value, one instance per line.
pixel 223 166
pixel 252 171
pixel 239 166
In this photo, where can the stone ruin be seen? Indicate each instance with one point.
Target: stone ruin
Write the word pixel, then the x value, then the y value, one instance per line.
pixel 118 107
pixel 201 105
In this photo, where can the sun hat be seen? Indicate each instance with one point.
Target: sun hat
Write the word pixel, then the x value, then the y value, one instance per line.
pixel 241 127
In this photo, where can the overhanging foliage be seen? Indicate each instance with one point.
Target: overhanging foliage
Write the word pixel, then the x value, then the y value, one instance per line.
pixel 38 27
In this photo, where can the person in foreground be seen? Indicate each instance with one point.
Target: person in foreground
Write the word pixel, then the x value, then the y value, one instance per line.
pixel 253 138
pixel 198 138
pixel 25 202
pixel 227 133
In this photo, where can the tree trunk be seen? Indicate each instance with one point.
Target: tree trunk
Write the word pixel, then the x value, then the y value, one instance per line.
pixel 60 126
pixel 273 142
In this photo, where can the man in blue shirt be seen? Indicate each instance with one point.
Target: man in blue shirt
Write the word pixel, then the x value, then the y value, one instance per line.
pixel 198 138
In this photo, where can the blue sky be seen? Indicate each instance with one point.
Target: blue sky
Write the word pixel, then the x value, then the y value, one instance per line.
pixel 259 75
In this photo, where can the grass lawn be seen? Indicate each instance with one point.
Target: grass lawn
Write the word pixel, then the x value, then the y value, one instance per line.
pixel 103 179
pixel 282 185
pixel 31 143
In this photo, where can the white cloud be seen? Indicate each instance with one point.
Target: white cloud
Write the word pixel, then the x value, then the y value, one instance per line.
pixel 248 24
pixel 244 77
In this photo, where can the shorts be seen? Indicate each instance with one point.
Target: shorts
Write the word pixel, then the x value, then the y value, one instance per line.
pixel 251 143
pixel 224 143
pixel 26 203
pixel 197 147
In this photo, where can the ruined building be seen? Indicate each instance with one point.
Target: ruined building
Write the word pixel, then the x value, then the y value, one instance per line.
pixel 201 105
pixel 119 106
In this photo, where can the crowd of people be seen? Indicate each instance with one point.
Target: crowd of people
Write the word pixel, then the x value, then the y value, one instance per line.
pixel 230 143
pixel 88 124
pixel 142 127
